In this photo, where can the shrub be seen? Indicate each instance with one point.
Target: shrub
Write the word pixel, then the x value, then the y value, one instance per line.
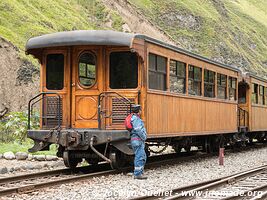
pixel 13 127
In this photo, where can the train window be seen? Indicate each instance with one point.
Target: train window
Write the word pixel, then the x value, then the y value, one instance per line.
pixel 221 86
pixel 55 71
pixel 265 96
pixel 261 95
pixel 194 80
pixel 209 83
pixel 157 72
pixel 123 70
pixel 232 88
pixel 87 69
pixel 254 97
pixel 242 92
pixel 177 76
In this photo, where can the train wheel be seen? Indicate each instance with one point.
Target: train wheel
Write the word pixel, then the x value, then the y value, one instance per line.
pixel 68 161
pixel 147 151
pixel 261 137
pixel 213 145
pixel 117 159
pixel 178 149
pixel 187 149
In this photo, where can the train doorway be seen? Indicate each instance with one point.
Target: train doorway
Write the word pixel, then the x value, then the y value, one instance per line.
pixel 86 86
pixel 243 88
pixel 243 106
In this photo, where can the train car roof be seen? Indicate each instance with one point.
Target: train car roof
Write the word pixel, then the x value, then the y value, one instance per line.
pixel 105 37
pixel 185 52
pixel 257 77
pixel 81 37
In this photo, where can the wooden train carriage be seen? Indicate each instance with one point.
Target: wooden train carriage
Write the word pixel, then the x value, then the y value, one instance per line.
pixel 253 100
pixel 188 94
pixel 90 78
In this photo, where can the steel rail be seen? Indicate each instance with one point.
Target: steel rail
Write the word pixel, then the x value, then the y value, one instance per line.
pixel 246 193
pixel 154 161
pixel 32 187
pixel 221 182
pixel 263 196
pixel 49 173
pixel 207 185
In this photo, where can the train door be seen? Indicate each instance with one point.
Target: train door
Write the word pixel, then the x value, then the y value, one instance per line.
pixel 55 77
pixel 122 86
pixel 86 86
pixel 243 104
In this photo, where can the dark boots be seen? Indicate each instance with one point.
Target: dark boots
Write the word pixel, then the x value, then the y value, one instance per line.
pixel 140 177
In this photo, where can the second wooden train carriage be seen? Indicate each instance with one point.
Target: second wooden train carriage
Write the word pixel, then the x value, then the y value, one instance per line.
pixel 89 79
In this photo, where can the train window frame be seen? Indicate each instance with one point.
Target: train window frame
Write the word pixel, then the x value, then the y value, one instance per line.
pixel 265 96
pixel 261 95
pixel 209 83
pixel 195 80
pixel 62 79
pixel 254 93
pixel 111 76
pixel 78 74
pixel 221 86
pixel 232 86
pixel 156 73
pixel 174 74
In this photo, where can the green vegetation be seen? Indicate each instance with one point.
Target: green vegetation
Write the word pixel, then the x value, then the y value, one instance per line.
pixel 24 146
pixel 233 30
pixel 13 130
pixel 13 127
pixel 23 19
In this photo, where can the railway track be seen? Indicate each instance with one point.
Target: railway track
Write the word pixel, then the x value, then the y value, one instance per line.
pixel 33 181
pixel 251 184
pixel 30 182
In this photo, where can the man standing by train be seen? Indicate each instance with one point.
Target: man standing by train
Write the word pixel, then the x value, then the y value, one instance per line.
pixel 138 138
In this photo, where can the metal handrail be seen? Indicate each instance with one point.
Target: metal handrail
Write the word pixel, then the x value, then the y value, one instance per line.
pixel 100 98
pixel 30 106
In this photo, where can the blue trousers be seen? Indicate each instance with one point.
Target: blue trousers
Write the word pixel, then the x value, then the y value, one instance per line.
pixel 140 156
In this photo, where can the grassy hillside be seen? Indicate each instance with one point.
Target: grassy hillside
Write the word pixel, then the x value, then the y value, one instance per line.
pixel 232 32
pixel 22 19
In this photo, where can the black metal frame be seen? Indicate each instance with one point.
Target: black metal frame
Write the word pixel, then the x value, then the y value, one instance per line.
pixel 100 98
pixel 42 94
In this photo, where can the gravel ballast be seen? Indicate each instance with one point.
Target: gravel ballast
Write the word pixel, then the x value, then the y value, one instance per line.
pixel 163 178
pixel 17 167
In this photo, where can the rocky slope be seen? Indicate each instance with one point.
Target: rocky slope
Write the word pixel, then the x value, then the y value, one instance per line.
pixel 232 32
pixel 20 20
pixel 19 78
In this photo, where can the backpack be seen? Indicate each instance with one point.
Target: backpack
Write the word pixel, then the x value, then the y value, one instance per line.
pixel 127 122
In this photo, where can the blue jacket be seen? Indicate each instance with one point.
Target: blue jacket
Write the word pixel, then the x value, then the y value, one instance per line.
pixel 139 129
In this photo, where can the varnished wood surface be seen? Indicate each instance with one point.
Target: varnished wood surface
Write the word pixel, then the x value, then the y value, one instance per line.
pixel 179 115
pixel 258 113
pixel 64 93
pixel 176 114
pixel 164 113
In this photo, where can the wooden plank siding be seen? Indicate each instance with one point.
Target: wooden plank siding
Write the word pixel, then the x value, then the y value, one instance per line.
pixel 174 114
pixel 259 118
pixel 180 116
pixel 258 113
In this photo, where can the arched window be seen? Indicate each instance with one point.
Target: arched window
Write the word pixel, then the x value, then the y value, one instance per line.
pixel 87 69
